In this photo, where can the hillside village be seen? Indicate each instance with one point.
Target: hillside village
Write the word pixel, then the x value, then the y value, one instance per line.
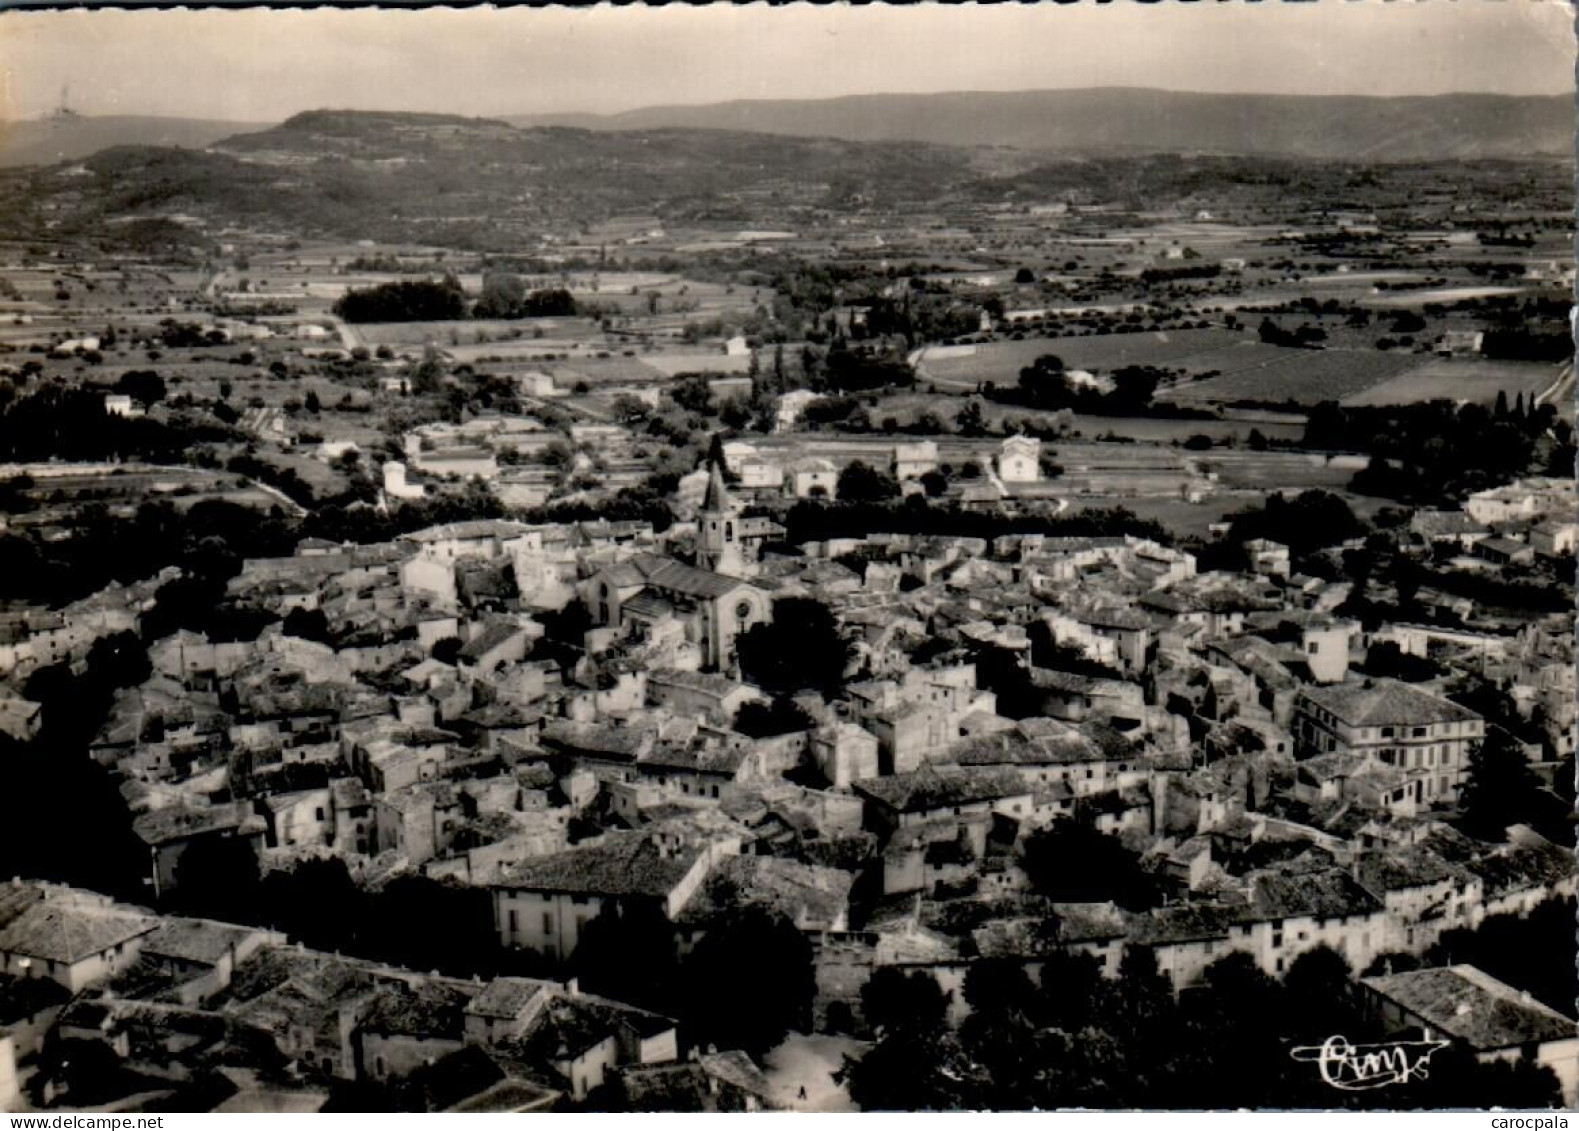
pixel 503 618
pixel 584 720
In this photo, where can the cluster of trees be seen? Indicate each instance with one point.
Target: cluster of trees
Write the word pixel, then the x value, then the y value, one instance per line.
pixel 69 423
pixel 1428 451
pixel 861 483
pixel 917 316
pixel 1108 870
pixel 849 370
pixel 411 921
pixel 1153 275
pixel 1074 1039
pixel 1309 521
pixel 96 848
pixel 629 953
pixel 1502 789
pixel 780 715
pixel 1301 337
pixel 504 295
pixel 800 649
pixel 209 537
pixel 189 335
pixel 1525 344
pixel 1535 953
pixel 414 300
pixel 1047 385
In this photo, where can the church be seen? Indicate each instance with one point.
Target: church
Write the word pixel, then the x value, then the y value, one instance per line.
pixel 711 599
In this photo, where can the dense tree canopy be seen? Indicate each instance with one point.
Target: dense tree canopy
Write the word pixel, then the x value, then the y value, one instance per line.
pixel 730 999
pixel 862 483
pixel 801 648
pixel 413 300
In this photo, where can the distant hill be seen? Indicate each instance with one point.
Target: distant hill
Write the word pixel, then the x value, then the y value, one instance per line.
pixel 1122 119
pixel 466 182
pixel 485 184
pixel 46 141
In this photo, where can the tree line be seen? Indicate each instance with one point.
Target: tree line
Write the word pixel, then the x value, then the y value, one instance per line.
pixel 504 295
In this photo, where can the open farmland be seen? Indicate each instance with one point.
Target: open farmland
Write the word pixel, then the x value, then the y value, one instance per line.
pixel 1413 300
pixel 1183 518
pixel 1001 362
pixel 1305 377
pixel 606 371
pixel 1460 380
pixel 1291 470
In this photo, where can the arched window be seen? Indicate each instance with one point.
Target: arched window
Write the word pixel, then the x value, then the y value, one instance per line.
pixel 729 532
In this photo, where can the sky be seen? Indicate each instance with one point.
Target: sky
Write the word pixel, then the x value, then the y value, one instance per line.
pixel 262 66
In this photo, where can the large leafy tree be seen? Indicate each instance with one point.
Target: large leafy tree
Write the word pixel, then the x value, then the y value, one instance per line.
pixel 800 648
pixel 896 1000
pixel 748 982
pixel 862 483
pixel 1501 789
pixel 1072 862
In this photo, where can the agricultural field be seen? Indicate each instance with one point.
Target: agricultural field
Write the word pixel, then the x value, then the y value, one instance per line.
pixel 1159 430
pixel 1001 362
pixel 1305 377
pixel 538 335
pixel 1414 300
pixel 1469 379
pixel 1241 469
pixel 1182 518
pixel 607 371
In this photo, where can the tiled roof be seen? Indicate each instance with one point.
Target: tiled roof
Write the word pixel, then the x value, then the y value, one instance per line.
pixel 571 1024
pixel 424 1009
pixel 1444 524
pixel 1090 922
pixel 195 940
pixel 1386 702
pixel 1398 869
pixel 803 893
pixel 1517 867
pixel 620 864
pixel 506 998
pixel 1187 922
pixel 669 1088
pixel 594 738
pixel 1470 1005
pixel 163 825
pixel 647 604
pixel 1320 894
pixel 60 931
pixel 725 760
pixel 709 683
pixel 668 575
pixel 489 638
pixel 1010 748
pixel 467 531
pixel 735 1068
pixel 932 787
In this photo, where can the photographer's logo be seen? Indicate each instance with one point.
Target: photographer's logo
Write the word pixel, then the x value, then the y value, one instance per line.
pixel 1359 1068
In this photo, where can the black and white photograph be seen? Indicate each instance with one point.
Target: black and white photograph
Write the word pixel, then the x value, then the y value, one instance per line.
pixel 797 559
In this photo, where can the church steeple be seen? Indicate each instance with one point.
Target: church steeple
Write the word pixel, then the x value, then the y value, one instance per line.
pixel 717 499
pixel 718 527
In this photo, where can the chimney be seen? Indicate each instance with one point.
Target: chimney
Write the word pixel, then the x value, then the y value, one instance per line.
pixel 573 987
